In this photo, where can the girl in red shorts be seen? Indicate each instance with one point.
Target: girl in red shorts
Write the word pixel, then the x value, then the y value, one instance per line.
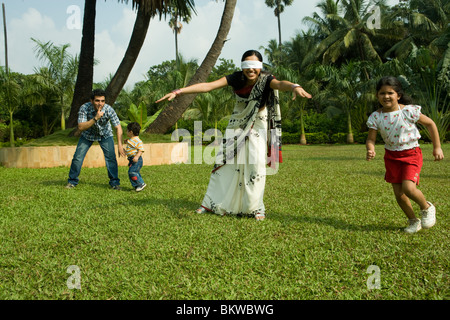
pixel 396 121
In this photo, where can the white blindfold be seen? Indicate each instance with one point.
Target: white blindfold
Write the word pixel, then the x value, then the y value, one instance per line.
pixel 251 64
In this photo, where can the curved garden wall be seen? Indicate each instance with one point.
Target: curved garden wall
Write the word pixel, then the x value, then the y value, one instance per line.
pixel 57 156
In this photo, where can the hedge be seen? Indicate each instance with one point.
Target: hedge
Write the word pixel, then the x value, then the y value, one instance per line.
pixel 322 138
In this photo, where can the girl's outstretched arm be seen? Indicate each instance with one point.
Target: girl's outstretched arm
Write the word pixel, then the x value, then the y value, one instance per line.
pixel 434 134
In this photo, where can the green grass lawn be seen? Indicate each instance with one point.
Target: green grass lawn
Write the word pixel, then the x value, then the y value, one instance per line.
pixel 330 216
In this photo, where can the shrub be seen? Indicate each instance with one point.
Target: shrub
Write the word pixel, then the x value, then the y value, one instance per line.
pixel 316 122
pixel 317 138
pixel 339 138
pixel 311 138
pixel 3 131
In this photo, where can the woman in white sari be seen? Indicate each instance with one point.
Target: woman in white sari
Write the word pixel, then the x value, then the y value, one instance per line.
pixel 238 179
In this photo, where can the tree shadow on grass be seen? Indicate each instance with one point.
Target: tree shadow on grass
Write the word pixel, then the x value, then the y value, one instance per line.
pixel 324 158
pixel 177 206
pixel 174 205
pixel 339 223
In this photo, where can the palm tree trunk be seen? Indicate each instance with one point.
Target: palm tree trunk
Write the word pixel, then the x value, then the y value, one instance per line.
pixel 279 29
pixel 169 116
pixel 350 133
pixel 302 128
pixel 177 59
pixel 134 47
pixel 11 129
pixel 83 85
pixel 176 30
pixel 11 124
pixel 63 115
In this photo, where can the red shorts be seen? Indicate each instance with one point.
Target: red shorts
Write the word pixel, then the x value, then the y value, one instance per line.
pixel 403 165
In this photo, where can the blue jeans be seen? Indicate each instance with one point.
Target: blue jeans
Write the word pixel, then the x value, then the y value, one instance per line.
pixel 107 145
pixel 134 172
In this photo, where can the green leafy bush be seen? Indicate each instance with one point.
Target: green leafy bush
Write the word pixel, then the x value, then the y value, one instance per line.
pixel 311 138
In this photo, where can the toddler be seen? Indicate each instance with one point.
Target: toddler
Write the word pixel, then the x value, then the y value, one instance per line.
pixel 134 149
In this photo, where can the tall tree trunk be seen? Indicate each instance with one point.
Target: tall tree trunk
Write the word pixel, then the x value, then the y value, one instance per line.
pixel 169 116
pixel 85 76
pixel 63 115
pixel 177 58
pixel 11 123
pixel 302 126
pixel 11 129
pixel 279 29
pixel 350 131
pixel 134 47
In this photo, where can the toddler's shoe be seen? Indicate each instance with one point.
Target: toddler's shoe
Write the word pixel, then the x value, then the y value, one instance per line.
pixel 414 225
pixel 428 216
pixel 140 188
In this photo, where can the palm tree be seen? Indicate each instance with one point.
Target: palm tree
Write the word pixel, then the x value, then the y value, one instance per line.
pixel 39 90
pixel 175 110
pixel 341 91
pixel 211 107
pixel 297 107
pixel 324 25
pixel 421 23
pixel 62 68
pixel 10 96
pixel 298 48
pixel 176 25
pixel 147 9
pixel 85 74
pixel 435 98
pixel 136 41
pixel 274 53
pixel 279 6
pixel 349 36
pixel 180 77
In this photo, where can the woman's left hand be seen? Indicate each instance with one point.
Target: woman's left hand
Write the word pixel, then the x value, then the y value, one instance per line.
pixel 299 91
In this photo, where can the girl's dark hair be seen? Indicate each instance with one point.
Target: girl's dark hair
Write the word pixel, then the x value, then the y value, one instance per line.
pixel 250 53
pixel 134 127
pixel 397 86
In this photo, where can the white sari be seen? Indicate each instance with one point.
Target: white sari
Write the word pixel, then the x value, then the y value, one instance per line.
pixel 237 183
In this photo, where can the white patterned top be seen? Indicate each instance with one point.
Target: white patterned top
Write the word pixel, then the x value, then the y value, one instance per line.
pixel 398 128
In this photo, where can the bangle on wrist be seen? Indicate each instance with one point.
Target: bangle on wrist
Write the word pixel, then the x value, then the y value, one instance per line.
pixel 177 92
pixel 95 120
pixel 295 86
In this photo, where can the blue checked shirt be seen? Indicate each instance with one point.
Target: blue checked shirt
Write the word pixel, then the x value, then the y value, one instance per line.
pixel 102 128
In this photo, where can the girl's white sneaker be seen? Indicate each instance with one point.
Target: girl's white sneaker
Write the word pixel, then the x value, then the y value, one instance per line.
pixel 414 225
pixel 429 216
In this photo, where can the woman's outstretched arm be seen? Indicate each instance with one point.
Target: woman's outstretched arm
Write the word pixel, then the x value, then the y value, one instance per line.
pixel 284 85
pixel 196 88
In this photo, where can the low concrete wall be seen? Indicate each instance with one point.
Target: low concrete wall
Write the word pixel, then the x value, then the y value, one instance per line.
pixel 48 157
